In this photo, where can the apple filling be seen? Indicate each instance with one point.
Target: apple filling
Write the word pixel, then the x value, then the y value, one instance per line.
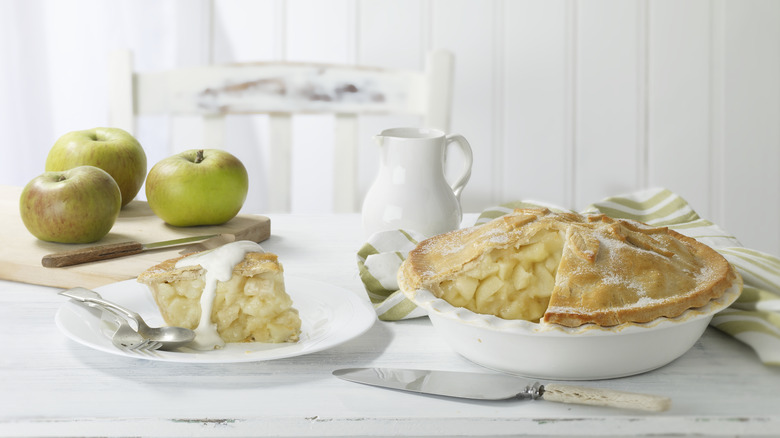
pixel 246 309
pixel 511 283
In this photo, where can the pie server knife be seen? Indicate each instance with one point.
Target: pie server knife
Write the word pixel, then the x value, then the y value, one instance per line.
pixel 480 386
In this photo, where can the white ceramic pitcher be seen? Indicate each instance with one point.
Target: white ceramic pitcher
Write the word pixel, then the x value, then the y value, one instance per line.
pixel 410 191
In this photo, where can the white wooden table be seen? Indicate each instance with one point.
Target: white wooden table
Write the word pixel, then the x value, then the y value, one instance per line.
pixel 52 386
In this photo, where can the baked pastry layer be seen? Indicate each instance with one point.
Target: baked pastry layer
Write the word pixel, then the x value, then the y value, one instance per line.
pixel 252 306
pixel 568 269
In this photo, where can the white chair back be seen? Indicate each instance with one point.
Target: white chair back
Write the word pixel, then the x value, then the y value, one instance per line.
pixel 280 90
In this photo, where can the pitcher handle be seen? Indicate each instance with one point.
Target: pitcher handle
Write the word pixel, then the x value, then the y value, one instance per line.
pixel 457 187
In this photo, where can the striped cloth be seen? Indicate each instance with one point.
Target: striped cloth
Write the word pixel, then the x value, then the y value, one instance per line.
pixel 753 319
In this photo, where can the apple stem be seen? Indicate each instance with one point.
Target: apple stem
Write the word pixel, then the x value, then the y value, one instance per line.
pixel 199 156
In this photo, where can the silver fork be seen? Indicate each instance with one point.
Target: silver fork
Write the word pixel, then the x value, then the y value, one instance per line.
pixel 127 339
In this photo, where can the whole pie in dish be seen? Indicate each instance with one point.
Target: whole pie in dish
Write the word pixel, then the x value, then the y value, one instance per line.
pixel 242 286
pixel 568 269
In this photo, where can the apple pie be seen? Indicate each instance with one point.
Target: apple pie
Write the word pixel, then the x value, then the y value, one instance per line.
pixel 568 269
pixel 249 304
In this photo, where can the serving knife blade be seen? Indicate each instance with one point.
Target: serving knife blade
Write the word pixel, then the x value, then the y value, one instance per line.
pixel 483 386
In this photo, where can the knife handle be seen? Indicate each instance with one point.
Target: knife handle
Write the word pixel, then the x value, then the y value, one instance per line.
pixel 604 397
pixel 91 254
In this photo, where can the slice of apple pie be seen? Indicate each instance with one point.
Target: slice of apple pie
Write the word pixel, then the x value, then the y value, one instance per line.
pixel 568 269
pixel 240 286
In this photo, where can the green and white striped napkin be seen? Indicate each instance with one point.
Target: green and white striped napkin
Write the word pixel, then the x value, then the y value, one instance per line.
pixel 378 263
pixel 753 319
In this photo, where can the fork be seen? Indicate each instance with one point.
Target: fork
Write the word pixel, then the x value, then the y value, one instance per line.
pixel 127 339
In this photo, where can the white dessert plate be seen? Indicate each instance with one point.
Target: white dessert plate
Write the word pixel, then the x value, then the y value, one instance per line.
pixel 551 351
pixel 330 315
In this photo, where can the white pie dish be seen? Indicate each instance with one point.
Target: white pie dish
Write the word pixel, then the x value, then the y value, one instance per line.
pixel 551 351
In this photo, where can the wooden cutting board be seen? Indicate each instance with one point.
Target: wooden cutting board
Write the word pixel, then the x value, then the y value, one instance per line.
pixel 21 252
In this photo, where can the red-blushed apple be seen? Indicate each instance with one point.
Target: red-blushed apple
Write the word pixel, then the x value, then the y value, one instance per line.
pixel 78 205
pixel 197 187
pixel 112 149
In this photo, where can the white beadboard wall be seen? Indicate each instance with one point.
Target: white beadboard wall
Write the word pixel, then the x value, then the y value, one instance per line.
pixel 564 101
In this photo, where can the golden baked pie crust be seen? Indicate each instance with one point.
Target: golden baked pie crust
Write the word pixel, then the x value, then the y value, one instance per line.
pixel 253 263
pixel 611 271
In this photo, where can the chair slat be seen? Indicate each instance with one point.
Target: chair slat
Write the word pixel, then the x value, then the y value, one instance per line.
pixel 293 88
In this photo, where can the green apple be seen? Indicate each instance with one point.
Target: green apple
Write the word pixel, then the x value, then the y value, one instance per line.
pixel 111 149
pixel 197 187
pixel 78 205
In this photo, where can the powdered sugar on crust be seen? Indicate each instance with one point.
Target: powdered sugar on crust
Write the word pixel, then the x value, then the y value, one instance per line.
pixel 497 237
pixel 446 244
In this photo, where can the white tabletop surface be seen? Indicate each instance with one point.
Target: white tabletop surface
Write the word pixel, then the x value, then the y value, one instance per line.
pixel 53 386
